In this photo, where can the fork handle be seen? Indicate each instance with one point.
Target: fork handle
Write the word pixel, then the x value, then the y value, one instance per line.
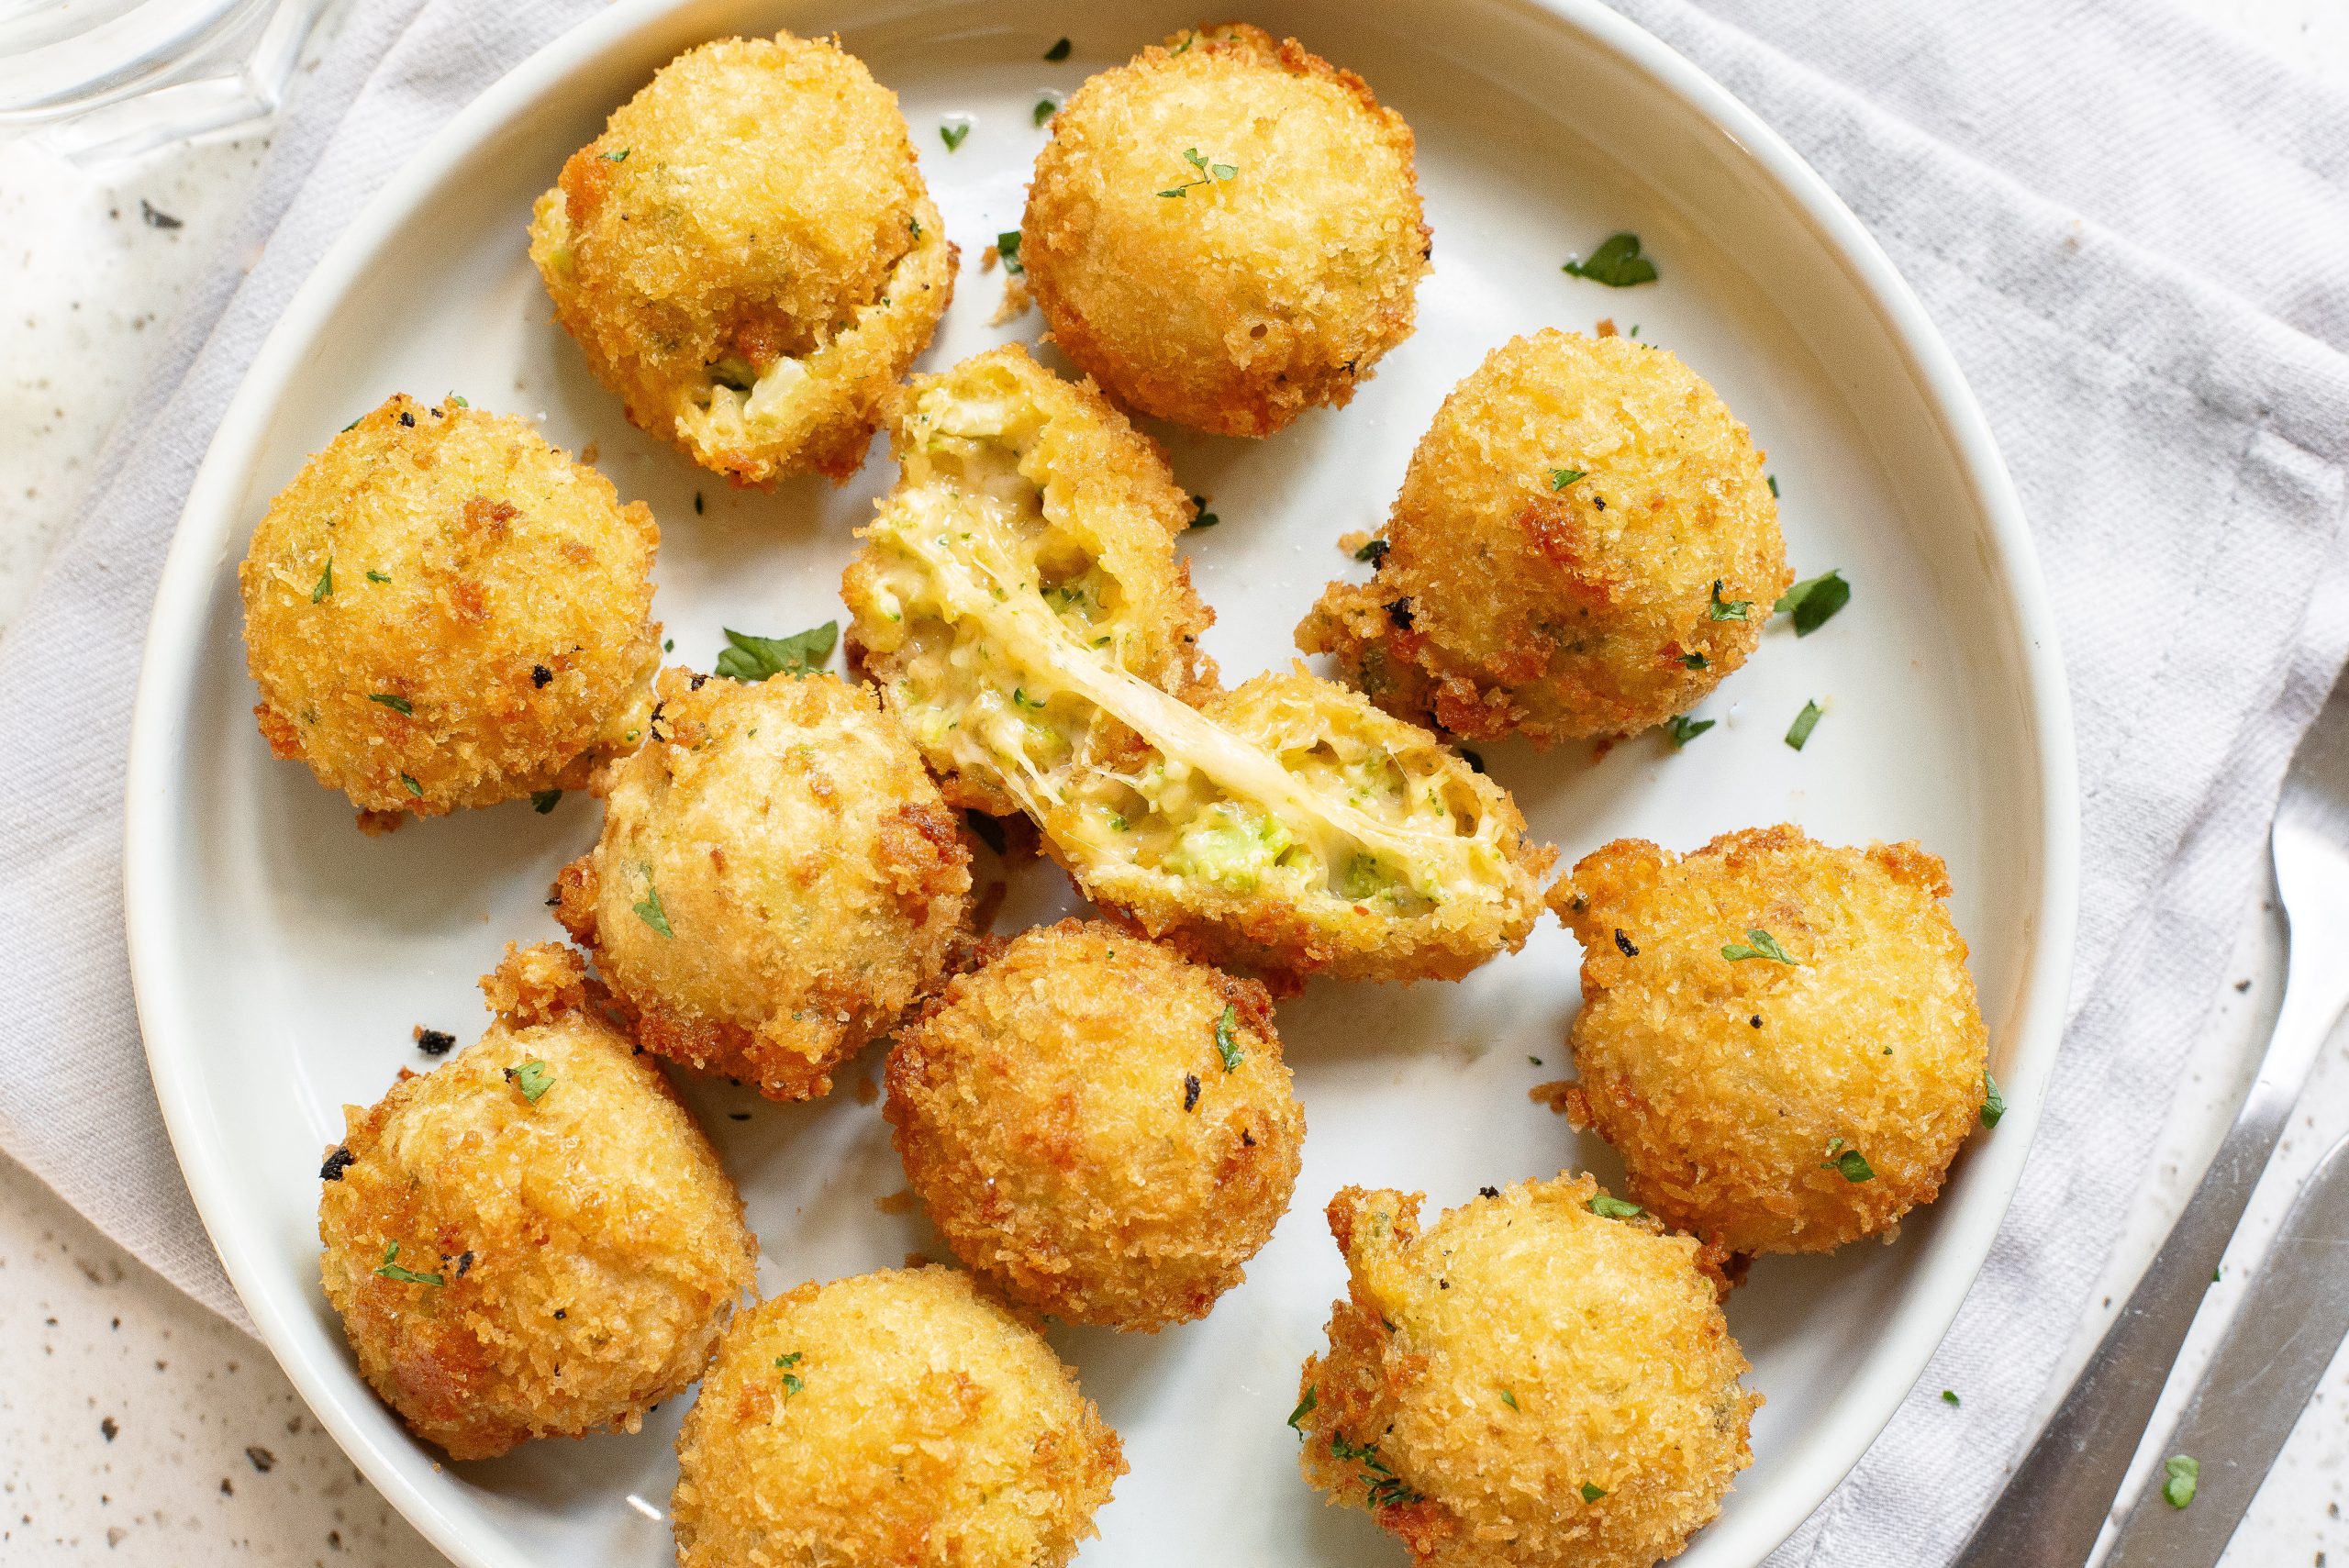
pixel 2054 1504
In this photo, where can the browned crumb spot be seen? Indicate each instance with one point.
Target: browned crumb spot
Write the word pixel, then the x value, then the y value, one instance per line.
pixel 1565 1096
pixel 588 453
pixel 1016 301
pixel 375 824
pixel 1605 327
pixel 1351 544
pixel 898 1202
pixel 867 1090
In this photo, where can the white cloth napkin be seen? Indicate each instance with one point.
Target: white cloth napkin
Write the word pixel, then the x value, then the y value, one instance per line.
pixel 2133 233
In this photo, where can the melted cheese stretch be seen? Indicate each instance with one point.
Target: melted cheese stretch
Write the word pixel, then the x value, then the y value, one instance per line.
pixel 964 546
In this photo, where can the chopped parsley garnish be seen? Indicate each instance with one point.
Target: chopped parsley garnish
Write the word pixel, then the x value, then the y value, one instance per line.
pixel 390 1269
pixel 392 700
pixel 1758 944
pixel 2181 1475
pixel 456 402
pixel 532 1078
pixel 1949 1397
pixel 649 910
pixel 379 576
pixel 1732 610
pixel 1850 1162
pixel 1804 722
pixel 1304 1409
pixel 1994 1103
pixel 326 582
pixel 1019 698
pixel 1774 485
pixel 1007 245
pixel 754 659
pixel 413 787
pixel 1045 109
pixel 1814 601
pixel 1561 477
pixel 1209 172
pixel 1201 518
pixel 1185 47
pixel 1058 53
pixel 1226 1046
pixel 1694 662
pixel 1683 728
pixel 953 132
pixel 1373 553
pixel 1617 264
pixel 544 800
pixel 1591 1493
pixel 1613 1207
pixel 1508 1397
pixel 619 157
pixel 792 1381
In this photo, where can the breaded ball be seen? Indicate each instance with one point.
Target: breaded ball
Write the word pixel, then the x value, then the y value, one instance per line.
pixel 1779 1037
pixel 1101 1129
pixel 533 1239
pixel 1225 231
pixel 896 1417
pixel 748 256
pixel 777 882
pixel 1527 1384
pixel 442 610
pixel 1584 544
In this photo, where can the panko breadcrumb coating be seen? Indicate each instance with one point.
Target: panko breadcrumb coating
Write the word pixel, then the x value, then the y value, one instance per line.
pixel 1527 1383
pixel 442 610
pixel 534 1238
pixel 1226 231
pixel 896 1417
pixel 1771 1106
pixel 777 882
pixel 1584 544
pixel 1102 1130
pixel 748 256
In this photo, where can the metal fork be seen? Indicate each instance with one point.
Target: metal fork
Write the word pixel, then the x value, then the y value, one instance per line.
pixel 2055 1503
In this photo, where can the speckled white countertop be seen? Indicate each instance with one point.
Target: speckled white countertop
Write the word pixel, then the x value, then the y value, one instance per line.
pixel 136 1427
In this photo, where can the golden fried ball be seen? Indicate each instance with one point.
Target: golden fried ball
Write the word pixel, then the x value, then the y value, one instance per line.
pixel 748 256
pixel 1769 1106
pixel 1225 231
pixel 1101 1129
pixel 533 1239
pixel 1526 1384
pixel 777 882
pixel 898 1418
pixel 1584 544
pixel 442 610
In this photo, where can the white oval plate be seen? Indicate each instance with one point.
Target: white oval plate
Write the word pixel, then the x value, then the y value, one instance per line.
pixel 281 958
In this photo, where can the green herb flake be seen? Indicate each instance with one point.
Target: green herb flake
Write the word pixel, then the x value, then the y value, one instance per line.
pixel 1774 485
pixel 1374 551
pixel 1814 601
pixel 792 1381
pixel 619 157
pixel 1851 1164
pixel 1007 245
pixel 456 402
pixel 951 133
pixel 1758 944
pixel 1994 1102
pixel 390 1269
pixel 1210 172
pixel 413 787
pixel 1508 1397
pixel 1617 264
pixel 1612 1207
pixel 545 800
pixel 1058 53
pixel 1694 662
pixel 756 659
pixel 1949 1397
pixel 326 582
pixel 1683 728
pixel 1304 1409
pixel 1591 1493
pixel 649 910
pixel 1045 109
pixel 1804 722
pixel 1227 1046
pixel 532 1078
pixel 1201 518
pixel 379 576
pixel 2181 1475
pixel 1731 610
pixel 352 425
pixel 392 700
pixel 1561 477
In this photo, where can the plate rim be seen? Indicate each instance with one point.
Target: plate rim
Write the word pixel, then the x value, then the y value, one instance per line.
pixel 1891 1366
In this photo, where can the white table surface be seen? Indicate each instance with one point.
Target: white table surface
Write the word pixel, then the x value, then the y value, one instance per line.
pixel 138 1428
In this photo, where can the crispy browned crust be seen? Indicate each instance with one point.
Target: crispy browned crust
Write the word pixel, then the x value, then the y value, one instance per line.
pixel 1872 1042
